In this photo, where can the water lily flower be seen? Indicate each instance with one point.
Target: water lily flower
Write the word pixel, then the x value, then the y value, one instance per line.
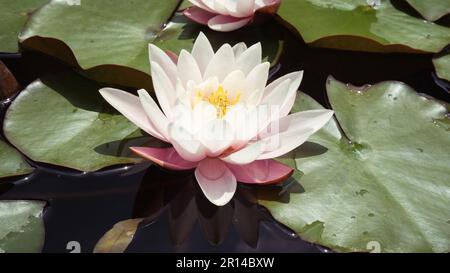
pixel 219 116
pixel 228 15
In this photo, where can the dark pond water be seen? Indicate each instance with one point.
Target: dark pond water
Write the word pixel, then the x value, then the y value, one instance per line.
pixel 83 206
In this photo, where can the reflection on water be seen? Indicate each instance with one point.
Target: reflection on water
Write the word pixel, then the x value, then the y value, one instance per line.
pixel 177 217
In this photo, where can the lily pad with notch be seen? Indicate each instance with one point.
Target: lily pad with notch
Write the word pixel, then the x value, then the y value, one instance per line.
pixel 384 178
pixel 61 119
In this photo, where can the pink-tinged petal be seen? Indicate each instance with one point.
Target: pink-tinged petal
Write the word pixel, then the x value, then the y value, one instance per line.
pixel 202 51
pixel 244 8
pixel 130 106
pixel 164 89
pixel 292 131
pixel 165 157
pixel 172 56
pixel 268 6
pixel 226 23
pixel 164 61
pixel 198 15
pixel 153 112
pixel 245 155
pixel 216 181
pixel 261 172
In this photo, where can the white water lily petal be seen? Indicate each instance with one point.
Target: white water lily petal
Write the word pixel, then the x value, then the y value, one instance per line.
pixel 188 69
pixel 260 3
pixel 203 113
pixel 256 81
pixel 160 57
pixel 249 59
pixel 227 23
pixel 164 90
pixel 246 155
pixel 221 64
pixel 278 96
pixel 295 77
pixel 294 130
pixel 153 112
pixel 130 106
pixel 217 136
pixel 245 8
pixel 202 52
pixel 217 6
pixel 234 83
pixel 183 96
pixel 186 145
pixel 245 122
pixel 278 145
pixel 288 95
pixel 238 49
pixel 216 181
pixel 206 87
pixel 200 4
pixel 183 117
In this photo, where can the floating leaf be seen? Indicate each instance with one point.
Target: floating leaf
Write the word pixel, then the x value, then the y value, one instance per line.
pixel 354 25
pixel 13 15
pixel 442 66
pixel 431 10
pixel 103 39
pixel 117 239
pixel 387 184
pixel 11 162
pixel 62 120
pixel 21 226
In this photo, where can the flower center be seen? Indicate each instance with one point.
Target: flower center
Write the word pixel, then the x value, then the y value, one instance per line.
pixel 219 99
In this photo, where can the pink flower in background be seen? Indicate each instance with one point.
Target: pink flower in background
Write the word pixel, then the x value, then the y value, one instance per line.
pixel 219 116
pixel 228 15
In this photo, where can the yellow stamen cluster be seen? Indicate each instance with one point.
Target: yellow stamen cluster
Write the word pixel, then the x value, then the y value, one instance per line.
pixel 219 99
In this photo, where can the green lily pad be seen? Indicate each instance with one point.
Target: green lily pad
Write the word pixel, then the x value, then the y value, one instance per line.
pixel 431 10
pixel 384 185
pixel 353 25
pixel 62 120
pixel 21 226
pixel 13 16
pixel 103 39
pixel 442 66
pixel 11 162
